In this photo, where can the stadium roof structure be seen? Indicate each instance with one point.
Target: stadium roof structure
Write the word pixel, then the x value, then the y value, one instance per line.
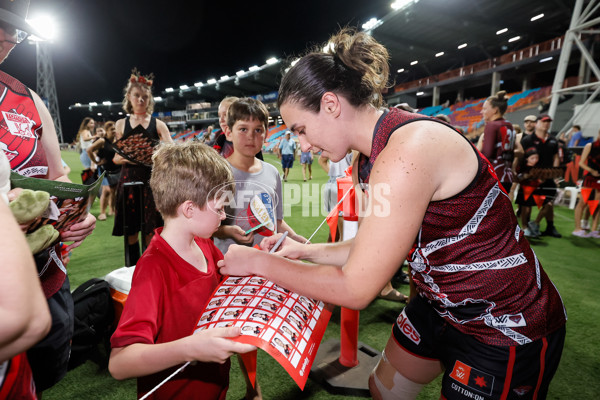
pixel 430 33
pixel 424 38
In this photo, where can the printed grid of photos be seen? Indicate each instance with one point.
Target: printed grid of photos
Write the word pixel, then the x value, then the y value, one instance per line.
pixel 265 310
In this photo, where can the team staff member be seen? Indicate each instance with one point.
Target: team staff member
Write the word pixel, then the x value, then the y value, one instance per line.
pixel 547 148
pixel 35 153
pixel 481 307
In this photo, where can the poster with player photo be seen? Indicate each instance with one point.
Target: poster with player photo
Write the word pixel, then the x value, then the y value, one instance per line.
pixel 284 324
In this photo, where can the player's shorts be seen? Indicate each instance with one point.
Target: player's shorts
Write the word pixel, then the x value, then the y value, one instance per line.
pixel 546 188
pixel 287 160
pixel 474 370
pixel 49 358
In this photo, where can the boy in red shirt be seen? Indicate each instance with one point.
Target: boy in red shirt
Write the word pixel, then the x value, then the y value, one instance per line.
pixel 173 281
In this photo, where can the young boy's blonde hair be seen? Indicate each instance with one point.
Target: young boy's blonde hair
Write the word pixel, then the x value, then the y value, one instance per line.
pixel 188 171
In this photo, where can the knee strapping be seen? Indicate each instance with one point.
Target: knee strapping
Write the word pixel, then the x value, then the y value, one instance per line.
pixel 398 387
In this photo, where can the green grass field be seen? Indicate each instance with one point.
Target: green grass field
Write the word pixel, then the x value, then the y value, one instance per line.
pixel 571 262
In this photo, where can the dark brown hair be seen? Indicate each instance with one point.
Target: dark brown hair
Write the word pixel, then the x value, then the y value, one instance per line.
pixel 247 108
pixel 353 65
pixel 499 101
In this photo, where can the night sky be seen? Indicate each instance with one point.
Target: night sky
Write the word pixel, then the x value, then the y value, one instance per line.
pixel 181 42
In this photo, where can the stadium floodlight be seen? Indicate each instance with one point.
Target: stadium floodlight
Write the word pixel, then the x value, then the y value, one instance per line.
pixel 514 39
pixel 77 104
pixel 169 89
pixel 46 26
pixel 501 31
pixel 184 87
pixel 420 93
pixel 401 70
pixel 106 103
pixel 211 81
pixel 462 46
pixel 254 68
pixel 272 60
pixel 93 103
pixel 441 53
pixel 537 17
pixel 99 114
pixel 371 24
pixel 198 84
pixel 157 99
pixel 241 72
pixel 399 4
pixel 414 62
pixel 224 78
pixel 545 59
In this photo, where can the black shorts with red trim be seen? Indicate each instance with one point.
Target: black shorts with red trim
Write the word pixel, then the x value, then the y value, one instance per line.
pixel 475 370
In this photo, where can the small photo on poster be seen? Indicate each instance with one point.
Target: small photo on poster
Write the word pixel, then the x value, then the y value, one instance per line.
pixel 301 312
pixel 250 290
pixel 276 296
pixel 295 322
pixel 216 302
pixel 231 313
pixel 260 316
pixel 269 305
pixel 289 333
pixel 251 329
pixel 241 301
pixel 282 345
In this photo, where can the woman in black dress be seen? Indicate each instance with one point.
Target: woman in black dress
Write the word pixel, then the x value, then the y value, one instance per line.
pixel 139 104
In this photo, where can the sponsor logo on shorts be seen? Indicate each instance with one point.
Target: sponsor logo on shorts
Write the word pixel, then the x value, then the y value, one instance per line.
pixel 472 378
pixel 407 328
pixel 509 321
pixel 522 390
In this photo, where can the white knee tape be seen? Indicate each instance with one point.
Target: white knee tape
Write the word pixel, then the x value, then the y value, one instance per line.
pixel 402 388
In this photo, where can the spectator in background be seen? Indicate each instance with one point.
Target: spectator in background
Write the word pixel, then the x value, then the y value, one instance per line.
pixel 529 124
pixel 102 151
pixel 572 137
pixel 223 146
pixel 306 160
pixel 498 141
pixel 590 162
pixel 547 149
pixel 139 104
pixel 85 138
pixel 40 154
pixel 287 154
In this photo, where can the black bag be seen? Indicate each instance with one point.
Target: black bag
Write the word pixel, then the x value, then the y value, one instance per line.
pixel 94 314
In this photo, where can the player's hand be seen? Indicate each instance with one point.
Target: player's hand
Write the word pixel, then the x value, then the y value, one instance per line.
pixel 79 231
pixel 239 260
pixel 288 248
pixel 213 345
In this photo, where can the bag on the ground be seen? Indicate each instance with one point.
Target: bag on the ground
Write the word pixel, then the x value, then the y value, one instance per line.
pixel 94 314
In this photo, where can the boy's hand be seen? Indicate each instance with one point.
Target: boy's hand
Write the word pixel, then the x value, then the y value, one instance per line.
pixel 238 260
pixel 238 234
pixel 289 248
pixel 212 345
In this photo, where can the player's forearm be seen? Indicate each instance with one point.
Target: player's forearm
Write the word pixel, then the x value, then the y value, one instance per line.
pixel 323 282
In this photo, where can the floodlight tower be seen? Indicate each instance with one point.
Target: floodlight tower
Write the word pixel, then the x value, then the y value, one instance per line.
pixel 46 87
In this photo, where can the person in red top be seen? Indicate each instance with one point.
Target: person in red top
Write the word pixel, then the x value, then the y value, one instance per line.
pixel 486 316
pixel 498 139
pixel 29 141
pixel 174 280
